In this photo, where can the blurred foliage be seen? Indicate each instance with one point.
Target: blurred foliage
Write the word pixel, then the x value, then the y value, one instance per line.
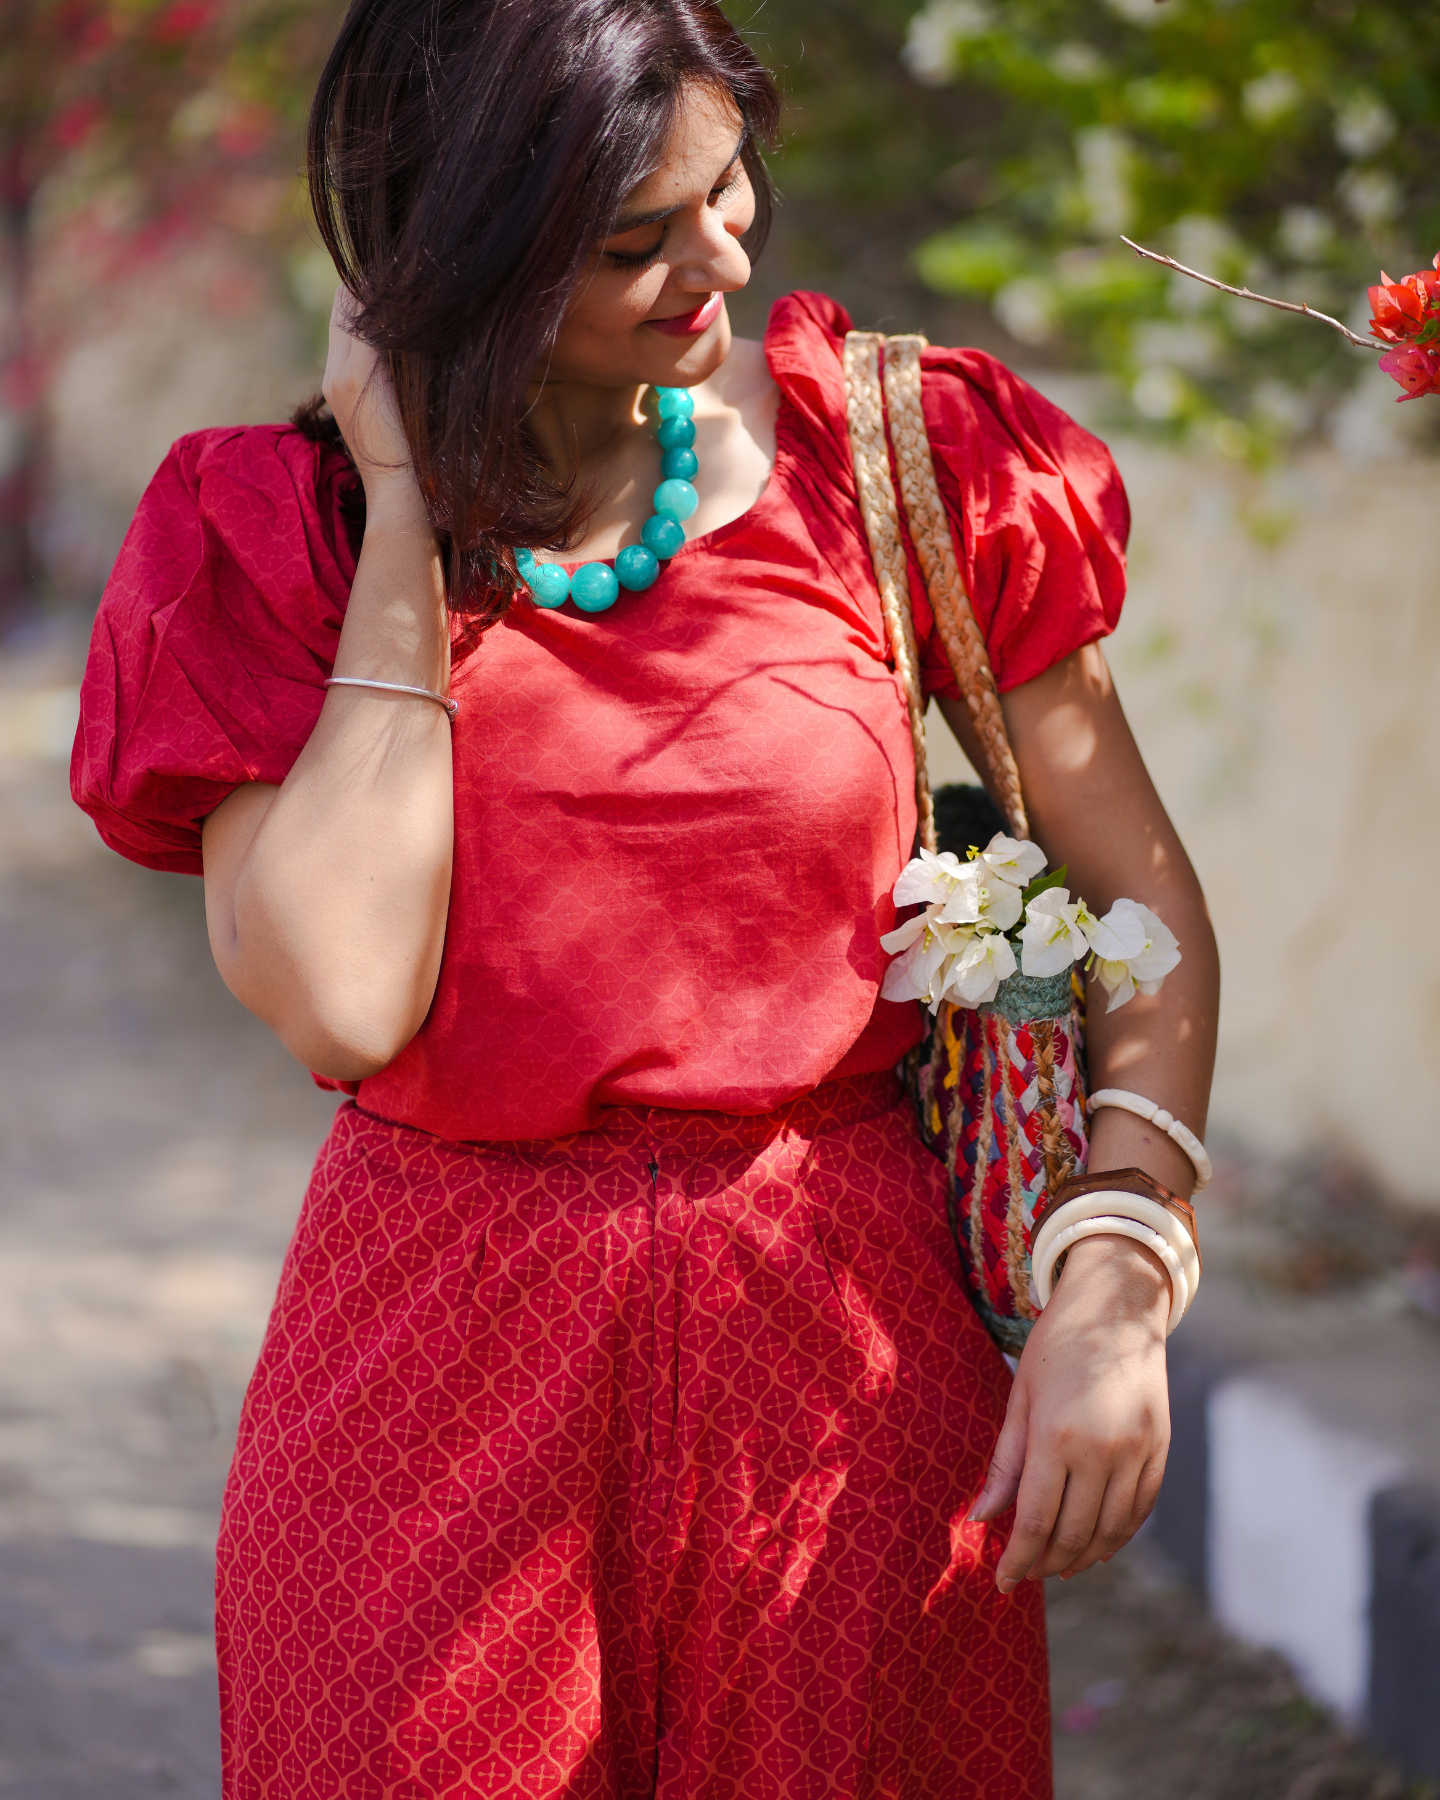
pixel 1291 145
pixel 130 126
pixel 998 146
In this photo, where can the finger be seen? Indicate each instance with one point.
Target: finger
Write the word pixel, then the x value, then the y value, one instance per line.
pixel 1147 1492
pixel 1007 1464
pixel 1074 1527
pixel 1042 1490
pixel 1116 1522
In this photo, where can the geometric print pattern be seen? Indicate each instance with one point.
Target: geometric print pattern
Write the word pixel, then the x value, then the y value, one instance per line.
pixel 629 1464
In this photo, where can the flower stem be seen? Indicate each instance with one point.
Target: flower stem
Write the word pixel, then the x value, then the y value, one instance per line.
pixel 1244 293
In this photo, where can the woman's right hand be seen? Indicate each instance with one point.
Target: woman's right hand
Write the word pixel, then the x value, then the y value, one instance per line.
pixel 358 390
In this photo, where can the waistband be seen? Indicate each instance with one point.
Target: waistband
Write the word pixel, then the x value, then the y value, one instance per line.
pixel 830 1107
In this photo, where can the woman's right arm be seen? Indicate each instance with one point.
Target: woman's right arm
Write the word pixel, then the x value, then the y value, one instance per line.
pixel 326 897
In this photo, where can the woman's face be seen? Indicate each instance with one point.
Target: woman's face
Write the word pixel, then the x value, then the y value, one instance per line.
pixel 651 309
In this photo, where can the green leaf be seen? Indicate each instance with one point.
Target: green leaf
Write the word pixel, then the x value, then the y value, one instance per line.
pixel 970 260
pixel 1056 878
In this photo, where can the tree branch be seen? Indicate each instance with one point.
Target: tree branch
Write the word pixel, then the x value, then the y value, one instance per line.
pixel 1244 293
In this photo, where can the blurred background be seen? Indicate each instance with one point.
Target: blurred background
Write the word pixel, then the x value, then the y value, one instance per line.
pixel 965 170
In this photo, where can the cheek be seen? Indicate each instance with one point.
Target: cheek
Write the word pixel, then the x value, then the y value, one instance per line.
pixel 615 302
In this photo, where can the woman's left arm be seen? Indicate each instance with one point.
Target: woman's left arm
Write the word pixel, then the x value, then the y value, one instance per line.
pixel 1083 1447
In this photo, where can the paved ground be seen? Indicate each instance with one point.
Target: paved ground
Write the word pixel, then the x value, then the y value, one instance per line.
pixel 154 1143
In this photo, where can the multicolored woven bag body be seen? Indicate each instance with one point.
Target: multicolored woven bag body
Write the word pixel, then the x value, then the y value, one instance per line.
pixel 999 1090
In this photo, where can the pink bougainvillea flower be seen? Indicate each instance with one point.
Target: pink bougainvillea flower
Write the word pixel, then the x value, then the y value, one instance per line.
pixel 1417 371
pixel 1402 309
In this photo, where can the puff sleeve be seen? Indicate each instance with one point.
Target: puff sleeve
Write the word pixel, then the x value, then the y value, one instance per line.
pixel 1040 515
pixel 1037 506
pixel 217 629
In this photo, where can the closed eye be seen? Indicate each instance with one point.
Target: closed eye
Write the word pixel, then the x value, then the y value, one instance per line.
pixel 646 259
pixel 643 259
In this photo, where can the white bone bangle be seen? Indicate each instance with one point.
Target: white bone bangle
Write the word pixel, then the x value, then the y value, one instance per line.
pixel 1044 1271
pixel 1108 1204
pixel 1162 1121
pixel 452 707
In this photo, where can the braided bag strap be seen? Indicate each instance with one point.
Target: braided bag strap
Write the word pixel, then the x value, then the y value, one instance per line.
pixel 934 549
pixel 865 414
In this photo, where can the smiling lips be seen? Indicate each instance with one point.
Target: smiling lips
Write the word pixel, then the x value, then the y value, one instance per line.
pixel 692 323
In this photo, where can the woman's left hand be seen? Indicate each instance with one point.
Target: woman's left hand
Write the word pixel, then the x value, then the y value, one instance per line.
pixel 1083 1447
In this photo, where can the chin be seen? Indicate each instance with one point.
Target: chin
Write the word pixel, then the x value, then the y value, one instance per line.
pixel 699 359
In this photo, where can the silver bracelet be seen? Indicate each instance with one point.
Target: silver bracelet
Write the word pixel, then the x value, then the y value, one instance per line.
pixel 1162 1121
pixel 395 687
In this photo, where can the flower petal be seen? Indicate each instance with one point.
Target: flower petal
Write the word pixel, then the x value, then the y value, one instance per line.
pixel 1014 859
pixel 903 936
pixel 1119 935
pixel 966 902
pixel 927 878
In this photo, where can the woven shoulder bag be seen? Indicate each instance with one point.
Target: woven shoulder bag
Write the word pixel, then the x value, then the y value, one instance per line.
pixel 999 1090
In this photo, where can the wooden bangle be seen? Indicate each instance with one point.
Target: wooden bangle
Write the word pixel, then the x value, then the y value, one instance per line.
pixel 1119 1181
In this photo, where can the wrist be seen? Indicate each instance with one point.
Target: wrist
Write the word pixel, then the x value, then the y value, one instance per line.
pixel 1117 1273
pixel 394 504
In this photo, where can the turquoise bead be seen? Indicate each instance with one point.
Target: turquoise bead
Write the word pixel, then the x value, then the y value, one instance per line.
pixel 684 464
pixel 675 434
pixel 593 587
pixel 663 535
pixel 677 498
pixel 636 568
pixel 549 583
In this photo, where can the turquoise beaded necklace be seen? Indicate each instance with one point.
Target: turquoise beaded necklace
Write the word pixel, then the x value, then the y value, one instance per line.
pixel 595 585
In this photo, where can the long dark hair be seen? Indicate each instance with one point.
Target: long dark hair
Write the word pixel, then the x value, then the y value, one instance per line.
pixel 465 158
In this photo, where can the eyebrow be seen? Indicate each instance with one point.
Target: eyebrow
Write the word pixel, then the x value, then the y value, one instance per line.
pixel 633 221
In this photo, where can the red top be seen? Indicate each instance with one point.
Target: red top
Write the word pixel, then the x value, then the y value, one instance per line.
pixel 677 822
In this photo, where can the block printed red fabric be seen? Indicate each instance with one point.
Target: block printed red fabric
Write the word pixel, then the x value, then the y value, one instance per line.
pixel 628 1464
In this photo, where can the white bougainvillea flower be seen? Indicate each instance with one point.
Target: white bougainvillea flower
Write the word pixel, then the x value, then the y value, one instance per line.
pixel 904 935
pixel 974 976
pixel 1161 952
pixel 1114 977
pixel 1146 967
pixel 1013 860
pixel 928 878
pixel 1051 938
pixel 982 897
pixel 917 972
pixel 1118 936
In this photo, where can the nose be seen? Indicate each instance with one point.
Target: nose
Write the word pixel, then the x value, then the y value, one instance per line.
pixel 710 260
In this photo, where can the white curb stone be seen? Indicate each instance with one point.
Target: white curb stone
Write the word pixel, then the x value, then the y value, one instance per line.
pixel 1289 1545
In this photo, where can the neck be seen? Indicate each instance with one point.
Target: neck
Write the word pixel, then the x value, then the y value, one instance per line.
pixel 578 425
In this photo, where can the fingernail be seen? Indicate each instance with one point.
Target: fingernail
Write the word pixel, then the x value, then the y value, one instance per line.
pixel 1006 1584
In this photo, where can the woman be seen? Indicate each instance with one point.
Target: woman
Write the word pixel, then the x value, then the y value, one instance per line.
pixel 623 1426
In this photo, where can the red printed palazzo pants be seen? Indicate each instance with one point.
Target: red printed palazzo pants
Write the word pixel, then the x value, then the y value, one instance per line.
pixel 630 1464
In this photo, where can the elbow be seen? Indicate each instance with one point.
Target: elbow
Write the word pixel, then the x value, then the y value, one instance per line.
pixel 345 1041
pixel 345 1029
